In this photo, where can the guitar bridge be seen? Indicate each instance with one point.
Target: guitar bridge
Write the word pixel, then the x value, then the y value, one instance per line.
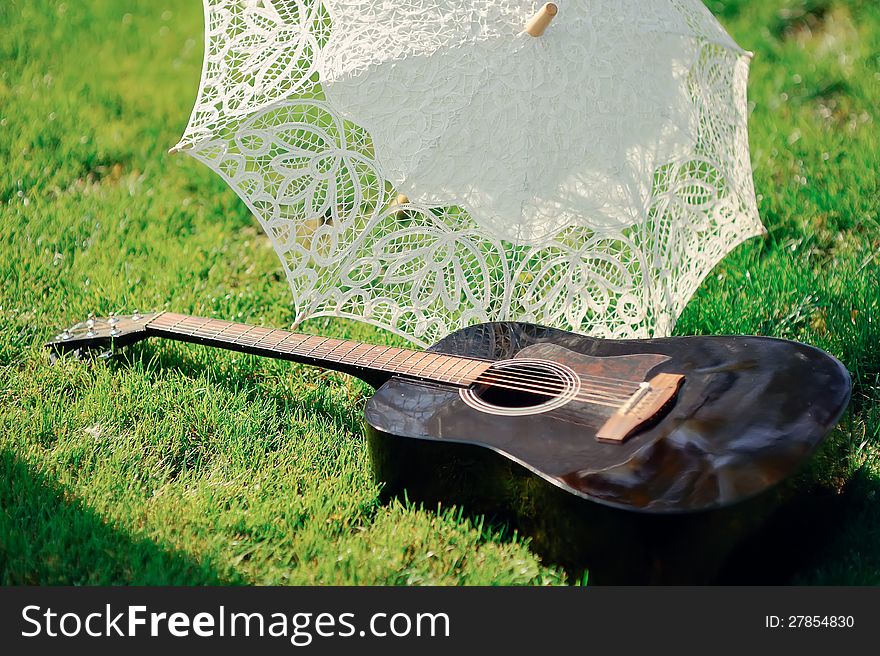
pixel 645 406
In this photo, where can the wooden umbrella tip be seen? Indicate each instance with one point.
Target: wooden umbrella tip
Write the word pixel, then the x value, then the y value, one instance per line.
pixel 540 21
pixel 179 148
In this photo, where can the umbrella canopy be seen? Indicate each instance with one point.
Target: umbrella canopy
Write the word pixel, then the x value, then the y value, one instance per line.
pixel 425 164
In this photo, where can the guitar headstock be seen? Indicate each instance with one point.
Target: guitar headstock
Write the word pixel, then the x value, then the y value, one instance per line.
pixel 101 334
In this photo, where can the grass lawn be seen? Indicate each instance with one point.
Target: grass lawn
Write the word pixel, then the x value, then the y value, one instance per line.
pixel 183 465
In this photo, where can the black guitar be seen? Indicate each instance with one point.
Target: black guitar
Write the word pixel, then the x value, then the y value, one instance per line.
pixel 644 460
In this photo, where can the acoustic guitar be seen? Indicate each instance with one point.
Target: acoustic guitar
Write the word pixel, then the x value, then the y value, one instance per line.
pixel 641 460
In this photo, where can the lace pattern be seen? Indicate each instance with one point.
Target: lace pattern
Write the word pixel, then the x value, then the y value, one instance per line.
pixel 587 181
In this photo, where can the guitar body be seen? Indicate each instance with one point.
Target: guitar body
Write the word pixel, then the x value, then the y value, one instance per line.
pixel 666 505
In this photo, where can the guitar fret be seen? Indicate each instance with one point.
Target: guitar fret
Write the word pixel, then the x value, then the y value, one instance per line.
pixel 289 349
pixel 380 359
pixel 390 356
pixel 178 322
pixel 406 360
pixel 239 330
pixel 280 336
pixel 191 330
pixel 477 365
pixel 276 336
pixel 282 344
pixel 263 334
pixel 226 325
pixel 358 355
pixel 398 361
pixel 447 365
pixel 453 374
pixel 225 334
pixel 335 344
pixel 172 322
pixel 372 348
pixel 348 352
pixel 304 347
pixel 246 338
pixel 160 322
pixel 317 346
pixel 327 347
pixel 454 364
pixel 181 325
pixel 465 375
pixel 264 341
pixel 353 354
pixel 238 340
pixel 429 367
pixel 444 364
pixel 416 366
pixel 194 330
pixel 404 353
pixel 385 360
pixel 199 330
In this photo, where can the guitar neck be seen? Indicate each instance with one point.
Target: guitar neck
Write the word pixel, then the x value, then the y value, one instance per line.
pixel 371 363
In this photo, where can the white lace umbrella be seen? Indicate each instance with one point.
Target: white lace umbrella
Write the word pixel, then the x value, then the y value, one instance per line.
pixel 426 164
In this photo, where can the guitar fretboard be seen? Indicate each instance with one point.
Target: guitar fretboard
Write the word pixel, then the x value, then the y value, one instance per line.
pixel 448 369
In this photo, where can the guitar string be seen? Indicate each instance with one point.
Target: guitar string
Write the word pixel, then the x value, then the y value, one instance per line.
pixel 543 385
pixel 523 373
pixel 493 379
pixel 549 391
pixel 623 382
pixel 513 382
pixel 488 377
pixel 573 398
pixel 628 387
pixel 554 386
pixel 596 411
pixel 577 397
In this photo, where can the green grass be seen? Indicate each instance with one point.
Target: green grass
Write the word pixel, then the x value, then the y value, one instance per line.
pixel 179 464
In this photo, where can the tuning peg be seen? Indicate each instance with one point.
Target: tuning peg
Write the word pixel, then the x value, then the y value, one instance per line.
pixel 113 319
pixel 136 316
pixel 65 335
pixel 115 332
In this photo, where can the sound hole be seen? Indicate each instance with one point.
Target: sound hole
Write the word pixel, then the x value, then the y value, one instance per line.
pixel 522 387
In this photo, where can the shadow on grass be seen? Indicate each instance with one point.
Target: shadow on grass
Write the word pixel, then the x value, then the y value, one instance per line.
pixel 822 536
pixel 49 537
pixel 790 543
pixel 850 554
